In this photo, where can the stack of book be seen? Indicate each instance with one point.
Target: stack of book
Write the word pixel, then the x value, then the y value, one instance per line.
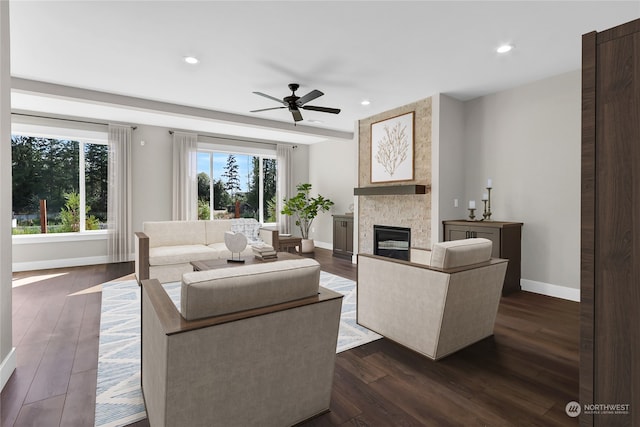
pixel 264 252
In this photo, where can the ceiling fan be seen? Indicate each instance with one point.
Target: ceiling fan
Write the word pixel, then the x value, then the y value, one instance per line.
pixel 295 103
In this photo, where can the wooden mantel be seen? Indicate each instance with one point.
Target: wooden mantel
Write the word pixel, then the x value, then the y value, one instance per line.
pixel 383 190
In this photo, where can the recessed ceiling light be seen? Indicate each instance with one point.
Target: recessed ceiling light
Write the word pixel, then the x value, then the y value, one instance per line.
pixel 315 121
pixel 191 60
pixel 365 102
pixel 504 48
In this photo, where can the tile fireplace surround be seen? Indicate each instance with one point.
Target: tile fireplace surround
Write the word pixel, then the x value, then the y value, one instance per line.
pixel 402 210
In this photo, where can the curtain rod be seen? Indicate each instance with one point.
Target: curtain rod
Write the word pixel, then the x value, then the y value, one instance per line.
pixel 66 119
pixel 171 132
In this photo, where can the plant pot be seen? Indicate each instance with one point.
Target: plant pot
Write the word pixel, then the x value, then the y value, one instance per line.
pixel 307 246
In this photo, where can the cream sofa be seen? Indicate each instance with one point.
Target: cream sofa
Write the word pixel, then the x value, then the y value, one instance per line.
pixel 441 302
pixel 164 249
pixel 252 345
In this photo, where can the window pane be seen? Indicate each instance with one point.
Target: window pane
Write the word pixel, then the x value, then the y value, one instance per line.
pixel 43 169
pixel 269 190
pixel 204 186
pixel 96 158
pixel 238 177
pixel 253 188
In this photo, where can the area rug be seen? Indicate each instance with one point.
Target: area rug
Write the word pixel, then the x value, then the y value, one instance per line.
pixel 118 393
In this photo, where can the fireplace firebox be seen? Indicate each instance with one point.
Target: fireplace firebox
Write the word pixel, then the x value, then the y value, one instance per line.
pixel 392 242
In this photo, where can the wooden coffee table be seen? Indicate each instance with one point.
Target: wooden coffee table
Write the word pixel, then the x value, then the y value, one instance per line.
pixel 212 264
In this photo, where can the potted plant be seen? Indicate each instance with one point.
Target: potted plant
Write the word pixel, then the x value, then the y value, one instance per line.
pixel 304 208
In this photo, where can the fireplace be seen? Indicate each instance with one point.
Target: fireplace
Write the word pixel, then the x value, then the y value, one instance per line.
pixel 392 242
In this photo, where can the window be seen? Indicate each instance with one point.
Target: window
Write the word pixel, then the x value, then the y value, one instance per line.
pixel 228 181
pixel 62 180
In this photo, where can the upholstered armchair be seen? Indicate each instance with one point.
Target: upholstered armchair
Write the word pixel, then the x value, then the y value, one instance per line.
pixel 251 345
pixel 438 303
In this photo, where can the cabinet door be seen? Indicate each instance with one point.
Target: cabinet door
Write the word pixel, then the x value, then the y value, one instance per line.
pixel 339 241
pixel 492 234
pixel 349 237
pixel 455 233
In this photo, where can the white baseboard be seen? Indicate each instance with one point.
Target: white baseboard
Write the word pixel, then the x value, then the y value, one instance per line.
pixel 548 289
pixel 59 263
pixel 7 367
pixel 323 245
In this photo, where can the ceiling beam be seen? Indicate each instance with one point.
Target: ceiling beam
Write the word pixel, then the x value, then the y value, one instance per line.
pixel 115 100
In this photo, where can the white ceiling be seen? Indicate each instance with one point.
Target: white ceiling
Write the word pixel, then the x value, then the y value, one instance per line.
pixel 389 52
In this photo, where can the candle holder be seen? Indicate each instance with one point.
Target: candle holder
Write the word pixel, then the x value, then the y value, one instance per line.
pixel 472 215
pixel 487 206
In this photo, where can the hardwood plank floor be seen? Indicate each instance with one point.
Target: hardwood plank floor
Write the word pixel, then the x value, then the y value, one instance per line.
pixel 522 376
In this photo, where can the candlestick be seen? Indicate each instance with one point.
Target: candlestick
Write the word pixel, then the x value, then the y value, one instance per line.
pixel 489 183
pixel 487 204
pixel 472 215
pixel 472 204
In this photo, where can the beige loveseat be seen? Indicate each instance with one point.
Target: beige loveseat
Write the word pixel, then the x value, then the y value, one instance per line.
pixel 164 249
pixel 441 302
pixel 259 348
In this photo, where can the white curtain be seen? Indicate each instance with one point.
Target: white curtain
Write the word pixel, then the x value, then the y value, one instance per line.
pixel 185 181
pixel 119 194
pixel 283 186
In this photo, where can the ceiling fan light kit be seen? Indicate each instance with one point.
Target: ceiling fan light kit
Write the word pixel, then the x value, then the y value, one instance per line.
pixel 294 103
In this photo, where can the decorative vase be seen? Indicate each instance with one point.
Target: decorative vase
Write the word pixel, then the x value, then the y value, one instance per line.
pixel 307 246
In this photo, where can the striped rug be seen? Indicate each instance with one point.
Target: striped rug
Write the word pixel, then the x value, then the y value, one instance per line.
pixel 118 394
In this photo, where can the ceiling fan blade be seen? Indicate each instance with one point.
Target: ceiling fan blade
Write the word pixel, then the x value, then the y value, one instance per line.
pixel 279 101
pixel 266 109
pixel 321 109
pixel 297 116
pixel 309 97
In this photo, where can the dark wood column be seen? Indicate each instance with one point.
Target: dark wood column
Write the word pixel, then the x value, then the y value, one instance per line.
pixel 610 248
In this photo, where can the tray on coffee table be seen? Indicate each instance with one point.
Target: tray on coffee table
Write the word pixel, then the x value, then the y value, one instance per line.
pixel 250 259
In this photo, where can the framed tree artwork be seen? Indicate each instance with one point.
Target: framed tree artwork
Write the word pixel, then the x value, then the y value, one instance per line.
pixel 392 149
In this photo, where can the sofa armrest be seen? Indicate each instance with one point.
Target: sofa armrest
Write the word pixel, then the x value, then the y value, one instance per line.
pixel 142 256
pixel 173 323
pixel 452 270
pixel 270 236
pixel 420 256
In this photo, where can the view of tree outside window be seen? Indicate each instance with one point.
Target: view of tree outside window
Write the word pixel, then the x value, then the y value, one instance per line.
pixel 59 175
pixel 236 185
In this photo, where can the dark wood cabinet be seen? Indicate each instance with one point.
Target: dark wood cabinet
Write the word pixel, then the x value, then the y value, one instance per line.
pixel 506 238
pixel 610 226
pixel 343 236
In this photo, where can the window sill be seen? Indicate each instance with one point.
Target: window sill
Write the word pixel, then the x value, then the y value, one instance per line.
pixel 26 239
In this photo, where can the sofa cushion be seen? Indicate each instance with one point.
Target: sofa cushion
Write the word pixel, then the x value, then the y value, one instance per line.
pixel 221 250
pixel 178 254
pixel 169 233
pixel 227 290
pixel 215 230
pixel 458 253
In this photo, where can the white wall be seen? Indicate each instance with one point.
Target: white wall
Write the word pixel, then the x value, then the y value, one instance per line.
pixel 7 352
pixel 447 167
pixel 528 141
pixel 152 175
pixel 333 172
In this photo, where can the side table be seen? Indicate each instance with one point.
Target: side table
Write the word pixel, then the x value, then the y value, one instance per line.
pixel 289 242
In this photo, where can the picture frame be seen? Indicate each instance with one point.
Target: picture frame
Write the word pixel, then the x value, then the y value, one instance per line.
pixel 392 146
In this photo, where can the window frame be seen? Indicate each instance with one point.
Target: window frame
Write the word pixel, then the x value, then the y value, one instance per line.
pixel 83 134
pixel 254 150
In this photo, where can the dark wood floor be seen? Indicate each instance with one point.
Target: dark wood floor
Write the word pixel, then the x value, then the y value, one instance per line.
pixel 522 376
